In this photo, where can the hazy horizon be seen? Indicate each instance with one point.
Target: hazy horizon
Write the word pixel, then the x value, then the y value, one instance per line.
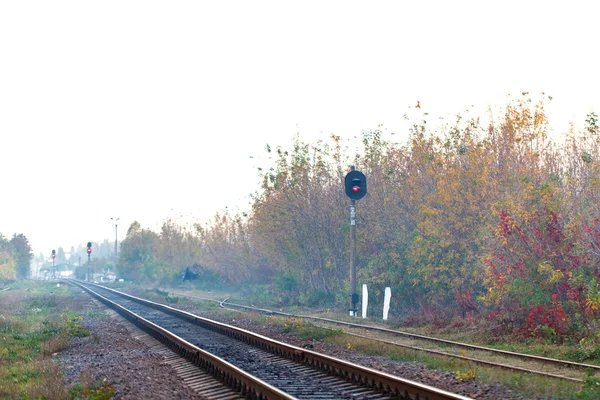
pixel 147 111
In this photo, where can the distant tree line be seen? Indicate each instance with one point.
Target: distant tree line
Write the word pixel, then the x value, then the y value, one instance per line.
pixel 102 259
pixel 15 257
pixel 482 218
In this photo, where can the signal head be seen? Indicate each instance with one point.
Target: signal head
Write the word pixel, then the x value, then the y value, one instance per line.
pixel 355 184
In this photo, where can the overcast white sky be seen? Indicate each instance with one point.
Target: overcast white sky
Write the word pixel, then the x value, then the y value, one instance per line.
pixel 144 110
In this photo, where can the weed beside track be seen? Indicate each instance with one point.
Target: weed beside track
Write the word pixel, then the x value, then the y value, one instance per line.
pixel 37 320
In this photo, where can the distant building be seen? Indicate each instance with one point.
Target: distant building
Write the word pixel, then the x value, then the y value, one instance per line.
pixel 67 274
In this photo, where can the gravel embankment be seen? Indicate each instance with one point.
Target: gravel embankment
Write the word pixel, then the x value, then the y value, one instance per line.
pixel 111 353
pixel 408 370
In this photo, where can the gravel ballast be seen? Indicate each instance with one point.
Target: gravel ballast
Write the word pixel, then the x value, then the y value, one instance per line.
pixel 111 353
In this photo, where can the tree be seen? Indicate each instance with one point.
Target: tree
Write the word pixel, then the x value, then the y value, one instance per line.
pixel 7 261
pixel 296 221
pixel 480 219
pixel 22 254
pixel 179 248
pixel 138 255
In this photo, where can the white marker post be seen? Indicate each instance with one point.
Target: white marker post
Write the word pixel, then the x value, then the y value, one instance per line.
pixel 365 301
pixel 386 303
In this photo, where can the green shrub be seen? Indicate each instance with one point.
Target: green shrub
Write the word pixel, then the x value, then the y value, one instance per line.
pixel 316 298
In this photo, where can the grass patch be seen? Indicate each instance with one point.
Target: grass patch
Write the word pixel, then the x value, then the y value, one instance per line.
pixel 578 352
pixel 591 389
pixel 161 293
pixel 55 344
pixel 89 390
pixel 97 314
pixel 305 330
pixel 38 379
pixel 35 322
pixel 72 327
pixel 528 384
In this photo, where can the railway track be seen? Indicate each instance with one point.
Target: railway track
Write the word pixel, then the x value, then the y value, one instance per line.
pixel 256 366
pixel 485 356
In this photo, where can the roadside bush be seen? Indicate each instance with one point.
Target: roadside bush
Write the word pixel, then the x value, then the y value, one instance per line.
pixel 316 298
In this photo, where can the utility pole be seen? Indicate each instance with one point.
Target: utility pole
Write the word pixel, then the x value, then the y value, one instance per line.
pixel 116 220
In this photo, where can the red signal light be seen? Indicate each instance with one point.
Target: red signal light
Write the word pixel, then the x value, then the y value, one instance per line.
pixel 89 250
pixel 356 189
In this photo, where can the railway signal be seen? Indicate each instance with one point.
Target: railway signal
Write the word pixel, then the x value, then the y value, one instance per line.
pixel 89 253
pixel 355 185
pixel 53 263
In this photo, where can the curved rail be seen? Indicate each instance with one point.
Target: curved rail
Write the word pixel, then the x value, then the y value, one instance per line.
pixel 528 357
pixel 419 337
pixel 358 374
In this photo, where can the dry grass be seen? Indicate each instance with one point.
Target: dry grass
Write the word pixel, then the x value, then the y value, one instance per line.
pixel 12 301
pixel 85 379
pixel 529 384
pixel 51 384
pixel 9 323
pixel 39 379
pixel 55 344
pixel 35 322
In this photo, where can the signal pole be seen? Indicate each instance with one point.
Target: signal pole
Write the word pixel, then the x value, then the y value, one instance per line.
pixel 355 184
pixel 89 253
pixel 53 264
pixel 354 295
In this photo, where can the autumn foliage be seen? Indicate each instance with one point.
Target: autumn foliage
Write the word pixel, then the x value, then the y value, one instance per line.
pixel 485 218
pixel 15 257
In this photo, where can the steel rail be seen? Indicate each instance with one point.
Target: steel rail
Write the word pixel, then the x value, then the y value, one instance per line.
pixel 416 348
pixel 357 374
pixel 229 374
pixel 421 337
pixel 470 359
